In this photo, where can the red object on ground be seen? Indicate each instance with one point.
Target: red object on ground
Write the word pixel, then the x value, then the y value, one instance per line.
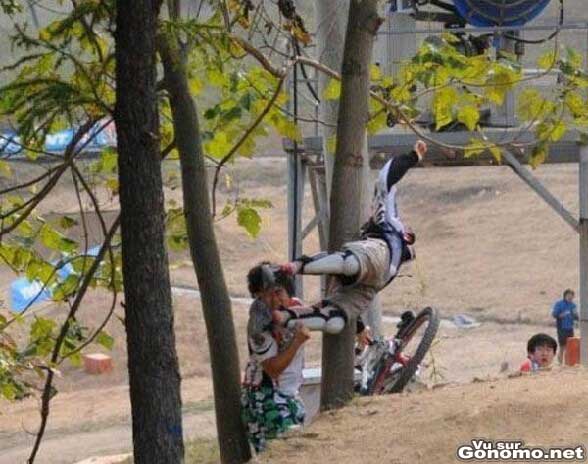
pixel 526 366
pixel 97 363
pixel 572 356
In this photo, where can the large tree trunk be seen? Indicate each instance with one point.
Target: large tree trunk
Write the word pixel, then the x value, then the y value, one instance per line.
pixel 348 183
pixel 154 377
pixel 216 304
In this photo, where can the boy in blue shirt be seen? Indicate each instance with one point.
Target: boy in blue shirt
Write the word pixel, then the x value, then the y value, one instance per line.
pixel 565 313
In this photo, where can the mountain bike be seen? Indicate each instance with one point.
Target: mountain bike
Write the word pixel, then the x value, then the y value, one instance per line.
pixel 387 365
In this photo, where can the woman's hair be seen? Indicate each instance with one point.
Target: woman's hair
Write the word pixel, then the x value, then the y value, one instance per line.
pixel 258 279
pixel 567 291
pixel 255 279
pixel 541 339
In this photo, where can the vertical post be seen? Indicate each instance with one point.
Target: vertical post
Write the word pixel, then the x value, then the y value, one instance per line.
pixel 295 192
pixel 583 290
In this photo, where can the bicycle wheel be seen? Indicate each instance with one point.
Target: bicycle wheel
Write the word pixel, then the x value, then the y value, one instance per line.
pixel 415 341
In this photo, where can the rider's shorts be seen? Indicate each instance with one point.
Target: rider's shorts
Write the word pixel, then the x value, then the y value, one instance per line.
pixel 373 255
pixel 374 261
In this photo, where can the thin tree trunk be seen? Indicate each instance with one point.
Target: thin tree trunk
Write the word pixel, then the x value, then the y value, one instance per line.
pixel 154 377
pixel 216 304
pixel 331 19
pixel 348 183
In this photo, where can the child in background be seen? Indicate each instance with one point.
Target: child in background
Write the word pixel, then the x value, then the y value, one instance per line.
pixel 541 349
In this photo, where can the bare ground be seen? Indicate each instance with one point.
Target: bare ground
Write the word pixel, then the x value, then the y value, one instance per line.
pixel 428 427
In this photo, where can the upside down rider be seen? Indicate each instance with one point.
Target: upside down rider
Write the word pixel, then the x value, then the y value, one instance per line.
pixel 366 266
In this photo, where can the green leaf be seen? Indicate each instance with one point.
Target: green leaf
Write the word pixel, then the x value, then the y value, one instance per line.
pixel 475 147
pixel 212 113
pixel 575 103
pixel 219 146
pixel 530 105
pixel 5 169
pixel 499 82
pixel 177 242
pixel 333 90
pixel 9 391
pixel 469 116
pixel 249 219
pixel 574 57
pixel 216 77
pixel 538 155
pixel 196 87
pixel 42 328
pixel 75 359
pixel 375 72
pixel 56 241
pixel 105 340
pixel 41 271
pixel 558 131
pixel 109 160
pixel 112 185
pixel 66 222
pixel 548 60
pixel 25 229
pixel 496 152
pixel 443 105
pixel 66 288
pixel 377 123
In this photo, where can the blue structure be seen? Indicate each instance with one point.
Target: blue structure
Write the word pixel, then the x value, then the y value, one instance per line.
pixel 58 141
pixel 25 293
pixel 487 13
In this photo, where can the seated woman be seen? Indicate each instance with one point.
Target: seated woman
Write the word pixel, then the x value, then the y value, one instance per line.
pixel 273 376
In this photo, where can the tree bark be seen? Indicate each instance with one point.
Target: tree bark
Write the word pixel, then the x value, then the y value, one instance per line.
pixel 216 304
pixel 154 377
pixel 348 183
pixel 331 19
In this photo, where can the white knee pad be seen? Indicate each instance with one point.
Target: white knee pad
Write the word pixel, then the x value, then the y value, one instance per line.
pixel 336 264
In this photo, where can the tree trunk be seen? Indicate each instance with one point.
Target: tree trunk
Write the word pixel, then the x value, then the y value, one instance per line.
pixel 216 304
pixel 348 183
pixel 154 377
pixel 331 18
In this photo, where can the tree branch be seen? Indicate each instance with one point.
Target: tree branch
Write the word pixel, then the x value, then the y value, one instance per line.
pixel 243 138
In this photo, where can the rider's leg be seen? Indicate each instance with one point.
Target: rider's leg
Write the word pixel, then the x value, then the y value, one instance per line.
pixel 322 317
pixel 340 263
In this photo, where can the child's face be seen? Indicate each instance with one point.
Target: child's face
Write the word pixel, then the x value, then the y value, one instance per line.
pixel 569 297
pixel 543 355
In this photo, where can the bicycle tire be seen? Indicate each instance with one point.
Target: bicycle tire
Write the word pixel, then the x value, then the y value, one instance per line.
pixel 381 385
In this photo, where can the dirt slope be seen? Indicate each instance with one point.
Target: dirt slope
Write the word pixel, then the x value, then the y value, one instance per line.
pixel 543 410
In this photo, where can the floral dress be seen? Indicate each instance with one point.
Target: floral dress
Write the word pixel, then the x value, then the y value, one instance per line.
pixel 266 411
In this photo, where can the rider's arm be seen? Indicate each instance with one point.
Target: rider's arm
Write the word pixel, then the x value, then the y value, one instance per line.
pixel 399 166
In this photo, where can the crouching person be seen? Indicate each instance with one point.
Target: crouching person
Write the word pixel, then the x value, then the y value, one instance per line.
pixel 273 376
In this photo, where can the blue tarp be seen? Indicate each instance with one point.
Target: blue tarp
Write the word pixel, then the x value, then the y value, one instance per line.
pixel 58 142
pixel 24 293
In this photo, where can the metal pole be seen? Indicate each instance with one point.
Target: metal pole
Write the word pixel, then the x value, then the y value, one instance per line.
pixel 583 229
pixel 540 189
pixel 295 192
